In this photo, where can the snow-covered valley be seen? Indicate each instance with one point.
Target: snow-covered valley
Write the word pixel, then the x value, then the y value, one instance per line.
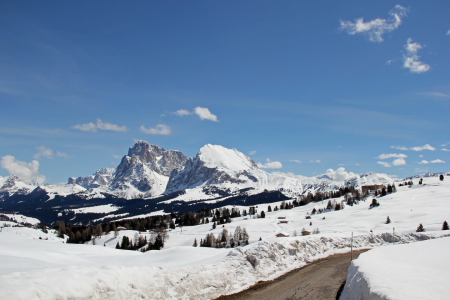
pixel 34 268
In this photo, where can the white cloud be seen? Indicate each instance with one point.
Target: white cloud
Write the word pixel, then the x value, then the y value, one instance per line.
pixel 339 174
pixel 399 148
pixel 383 163
pixel 182 112
pixel 86 127
pixel 443 145
pixel 421 148
pixel 443 149
pixel 399 162
pixel 43 152
pixel 270 165
pixel 315 161
pixel 91 127
pixel 116 156
pixel 411 59
pixel 162 129
pixel 61 154
pixel 421 155
pixel 448 32
pixel 385 156
pixel 437 161
pixel 296 161
pixel 424 162
pixel 417 148
pixel 389 62
pixel 205 114
pixel 252 152
pixel 375 29
pixel 27 172
pixel 110 126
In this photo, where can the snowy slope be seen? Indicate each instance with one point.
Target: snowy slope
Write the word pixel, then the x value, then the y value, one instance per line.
pixel 180 271
pixel 413 271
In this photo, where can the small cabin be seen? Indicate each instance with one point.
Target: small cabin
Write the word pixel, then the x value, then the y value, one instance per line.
pixel 308 217
pixel 281 218
pixel 370 188
pixel 284 221
pixel 282 234
pixel 304 232
pixel 121 228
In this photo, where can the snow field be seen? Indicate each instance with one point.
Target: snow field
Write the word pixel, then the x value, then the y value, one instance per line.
pixel 414 271
pixel 38 269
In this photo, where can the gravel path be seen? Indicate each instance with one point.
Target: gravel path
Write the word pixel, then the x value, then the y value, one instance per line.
pixel 318 280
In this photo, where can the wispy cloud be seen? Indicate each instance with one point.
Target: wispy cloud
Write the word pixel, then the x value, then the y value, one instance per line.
pixel 448 32
pixel 116 156
pixel 28 172
pixel 446 144
pixel 252 152
pixel 270 165
pixel 383 163
pixel 389 62
pixel 443 149
pixel 411 59
pixel 296 161
pixel 425 147
pixel 424 162
pixel 417 148
pixel 61 154
pixel 437 95
pixel 91 127
pixel 375 29
pixel 202 112
pixel 162 129
pixel 43 152
pixel 437 161
pixel 47 153
pixel 399 148
pixel 182 112
pixel 390 155
pixel 315 161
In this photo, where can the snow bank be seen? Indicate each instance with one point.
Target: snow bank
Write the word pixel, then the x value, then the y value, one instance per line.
pixel 86 272
pixel 415 271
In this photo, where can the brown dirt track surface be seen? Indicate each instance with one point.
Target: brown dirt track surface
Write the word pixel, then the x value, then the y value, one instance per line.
pixel 318 280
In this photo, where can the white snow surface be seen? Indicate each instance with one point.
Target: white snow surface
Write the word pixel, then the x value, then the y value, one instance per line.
pixel 413 271
pixel 107 208
pixel 21 219
pixel 223 158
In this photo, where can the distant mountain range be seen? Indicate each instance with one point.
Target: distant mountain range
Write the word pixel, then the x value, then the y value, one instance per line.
pixel 150 178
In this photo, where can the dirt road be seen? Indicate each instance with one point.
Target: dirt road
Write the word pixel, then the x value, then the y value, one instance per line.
pixel 318 280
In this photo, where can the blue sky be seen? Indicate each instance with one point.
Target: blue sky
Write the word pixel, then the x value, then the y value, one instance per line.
pixel 300 86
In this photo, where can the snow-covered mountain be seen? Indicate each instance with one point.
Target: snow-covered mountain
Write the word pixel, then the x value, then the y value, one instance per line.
pixel 144 172
pixel 101 178
pixel 149 171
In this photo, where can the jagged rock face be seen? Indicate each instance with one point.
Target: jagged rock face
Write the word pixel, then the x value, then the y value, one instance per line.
pixel 102 177
pixel 146 168
pixel 213 165
pixel 156 158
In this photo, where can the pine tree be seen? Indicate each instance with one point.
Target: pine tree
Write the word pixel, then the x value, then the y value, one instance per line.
pixel 388 220
pixel 441 177
pixel 420 228
pixel 263 215
pixel 445 226
pixel 195 243
pixel 269 209
pixel 118 245
pixel 214 225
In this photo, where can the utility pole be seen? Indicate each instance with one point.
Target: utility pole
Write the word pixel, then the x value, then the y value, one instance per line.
pixel 351 247
pixel 393 235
